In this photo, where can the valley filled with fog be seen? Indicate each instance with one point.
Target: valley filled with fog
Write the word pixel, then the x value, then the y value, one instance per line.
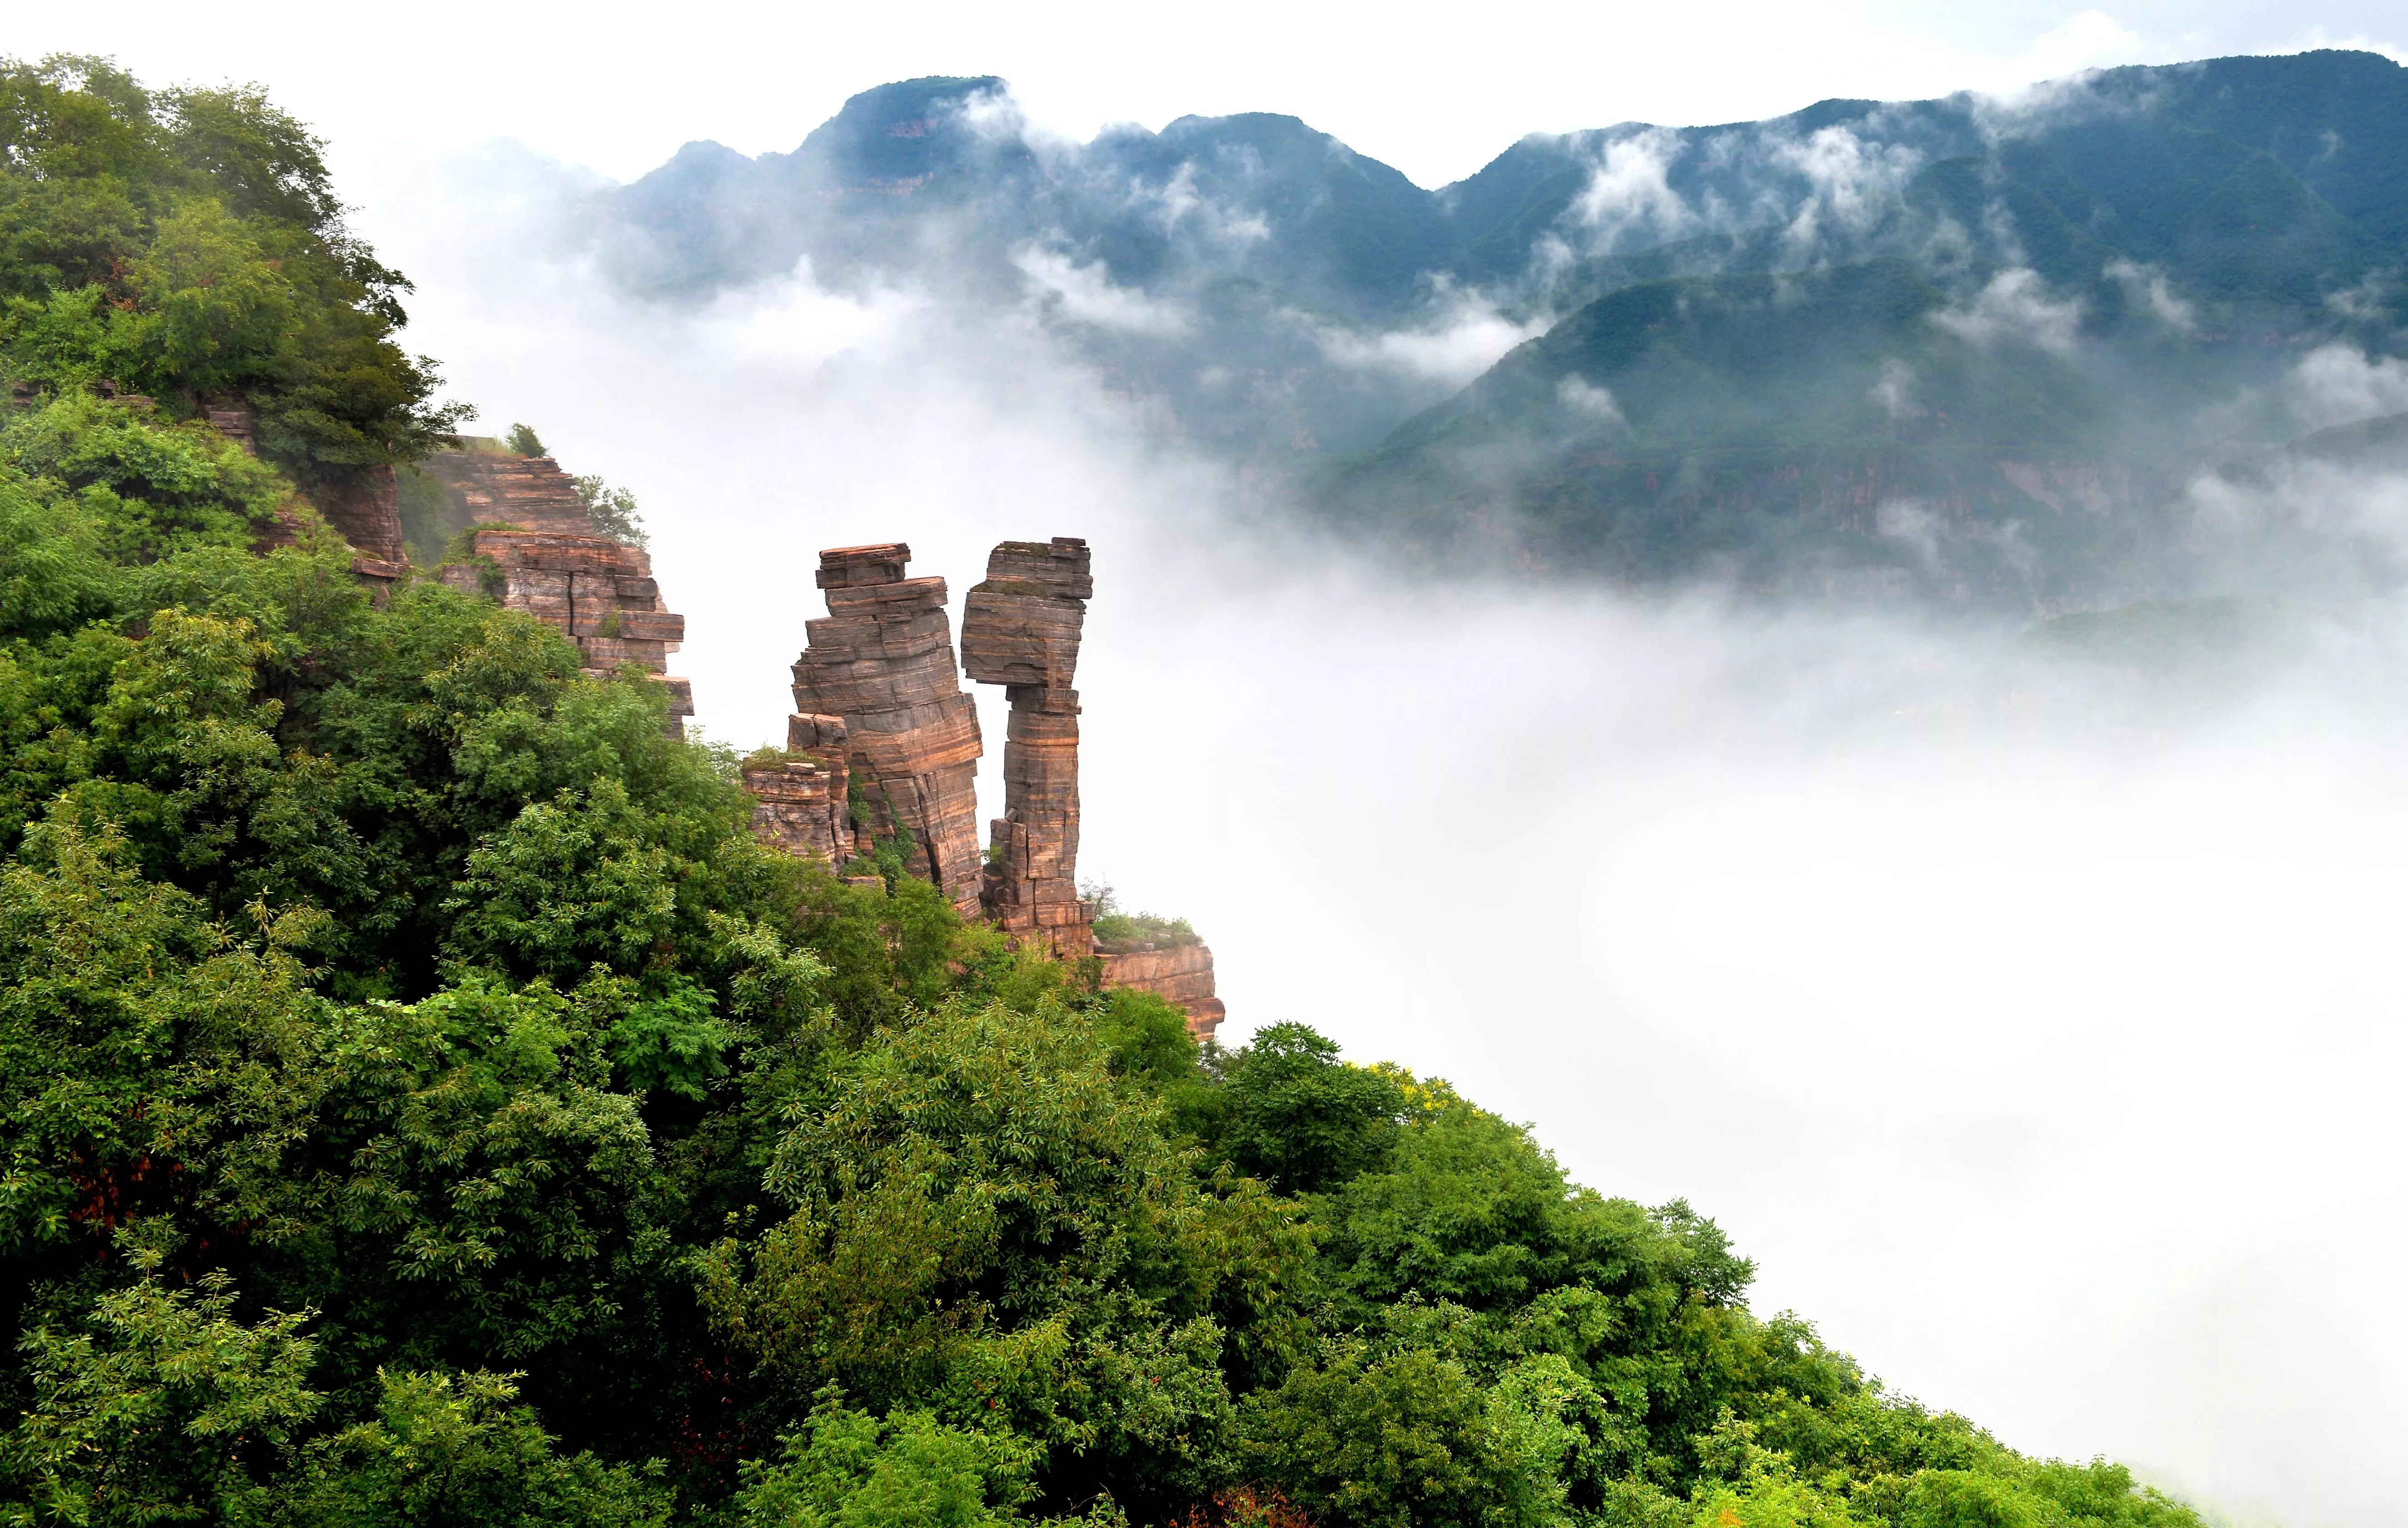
pixel 2034 1023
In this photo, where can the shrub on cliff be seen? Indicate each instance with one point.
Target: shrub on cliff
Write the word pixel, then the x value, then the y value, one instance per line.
pixel 422 1102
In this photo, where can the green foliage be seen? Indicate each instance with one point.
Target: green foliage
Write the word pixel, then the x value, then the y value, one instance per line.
pixel 445 1451
pixel 1119 931
pixel 521 440
pixel 188 245
pixel 1399 1441
pixel 1298 1118
pixel 673 1042
pixel 159 1406
pixel 846 1469
pixel 611 510
pixel 1149 1041
pixel 383 1001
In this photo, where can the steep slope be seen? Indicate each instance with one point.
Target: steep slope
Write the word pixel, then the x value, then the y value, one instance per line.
pixel 1992 384
pixel 2110 283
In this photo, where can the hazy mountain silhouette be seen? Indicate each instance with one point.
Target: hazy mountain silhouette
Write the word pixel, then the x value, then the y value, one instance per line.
pixel 1970 345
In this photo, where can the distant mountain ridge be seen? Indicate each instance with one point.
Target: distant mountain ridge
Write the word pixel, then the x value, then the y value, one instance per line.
pixel 1863 339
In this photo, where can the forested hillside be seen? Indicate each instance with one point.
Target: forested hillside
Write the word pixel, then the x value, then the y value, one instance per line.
pixel 422 1102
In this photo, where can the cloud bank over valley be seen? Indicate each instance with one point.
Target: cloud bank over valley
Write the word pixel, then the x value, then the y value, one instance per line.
pixel 2045 965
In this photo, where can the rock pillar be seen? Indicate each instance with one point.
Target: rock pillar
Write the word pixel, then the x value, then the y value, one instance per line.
pixel 882 660
pixel 1021 629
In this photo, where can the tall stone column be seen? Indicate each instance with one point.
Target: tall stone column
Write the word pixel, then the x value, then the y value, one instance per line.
pixel 882 660
pixel 1021 629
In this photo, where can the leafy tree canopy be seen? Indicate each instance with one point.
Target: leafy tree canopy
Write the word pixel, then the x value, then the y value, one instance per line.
pixel 187 246
pixel 422 1102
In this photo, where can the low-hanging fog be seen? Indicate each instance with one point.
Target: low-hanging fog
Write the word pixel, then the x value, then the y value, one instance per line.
pixel 2041 1040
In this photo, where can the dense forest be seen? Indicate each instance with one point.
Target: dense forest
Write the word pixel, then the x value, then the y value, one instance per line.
pixel 421 1101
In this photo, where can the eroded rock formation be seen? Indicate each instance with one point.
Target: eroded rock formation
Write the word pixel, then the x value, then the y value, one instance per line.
pixel 367 509
pixel 538 551
pixel 1020 629
pixel 1180 974
pixel 600 592
pixel 492 486
pixel 880 713
pixel 883 659
pixel 802 805
pixel 364 510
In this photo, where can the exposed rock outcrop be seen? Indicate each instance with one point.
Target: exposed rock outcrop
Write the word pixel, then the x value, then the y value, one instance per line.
pixel 492 486
pixel 880 713
pixel 802 805
pixel 538 551
pixel 364 508
pixel 1180 974
pixel 367 509
pixel 598 592
pixel 883 659
pixel 1021 629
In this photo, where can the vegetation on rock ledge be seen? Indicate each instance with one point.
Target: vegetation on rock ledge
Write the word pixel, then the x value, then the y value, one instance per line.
pixel 422 1102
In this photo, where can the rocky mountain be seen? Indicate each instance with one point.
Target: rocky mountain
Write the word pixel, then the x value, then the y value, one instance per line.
pixel 1975 346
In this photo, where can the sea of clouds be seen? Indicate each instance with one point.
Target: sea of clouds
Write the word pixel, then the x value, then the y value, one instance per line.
pixel 2041 1036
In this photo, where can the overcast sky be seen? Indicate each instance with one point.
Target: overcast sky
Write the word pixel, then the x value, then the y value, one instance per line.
pixel 2057 1082
pixel 1434 90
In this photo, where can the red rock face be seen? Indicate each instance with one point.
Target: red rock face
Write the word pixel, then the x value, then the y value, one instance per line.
pixel 878 703
pixel 365 512
pixel 1020 629
pixel 542 555
pixel 801 806
pixel 883 659
pixel 531 492
pixel 1181 974
pixel 598 592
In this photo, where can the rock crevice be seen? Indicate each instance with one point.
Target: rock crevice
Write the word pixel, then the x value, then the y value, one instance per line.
pixel 882 660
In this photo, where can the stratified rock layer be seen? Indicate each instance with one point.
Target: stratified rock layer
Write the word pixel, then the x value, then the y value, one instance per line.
pixel 879 714
pixel 498 487
pixel 1021 629
pixel 536 549
pixel 883 659
pixel 364 510
pixel 1180 974
pixel 598 592
pixel 367 510
pixel 801 805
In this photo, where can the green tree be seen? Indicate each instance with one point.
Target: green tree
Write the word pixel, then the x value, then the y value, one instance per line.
pixel 1412 1439
pixel 454 1451
pixel 1297 1117
pixel 160 1406
pixel 847 1469
pixel 611 510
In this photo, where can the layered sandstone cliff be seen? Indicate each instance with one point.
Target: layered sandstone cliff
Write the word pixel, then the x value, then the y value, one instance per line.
pixel 1021 629
pixel 881 716
pixel 883 659
pixel 498 487
pixel 1180 974
pixel 537 550
pixel 802 802
pixel 598 592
